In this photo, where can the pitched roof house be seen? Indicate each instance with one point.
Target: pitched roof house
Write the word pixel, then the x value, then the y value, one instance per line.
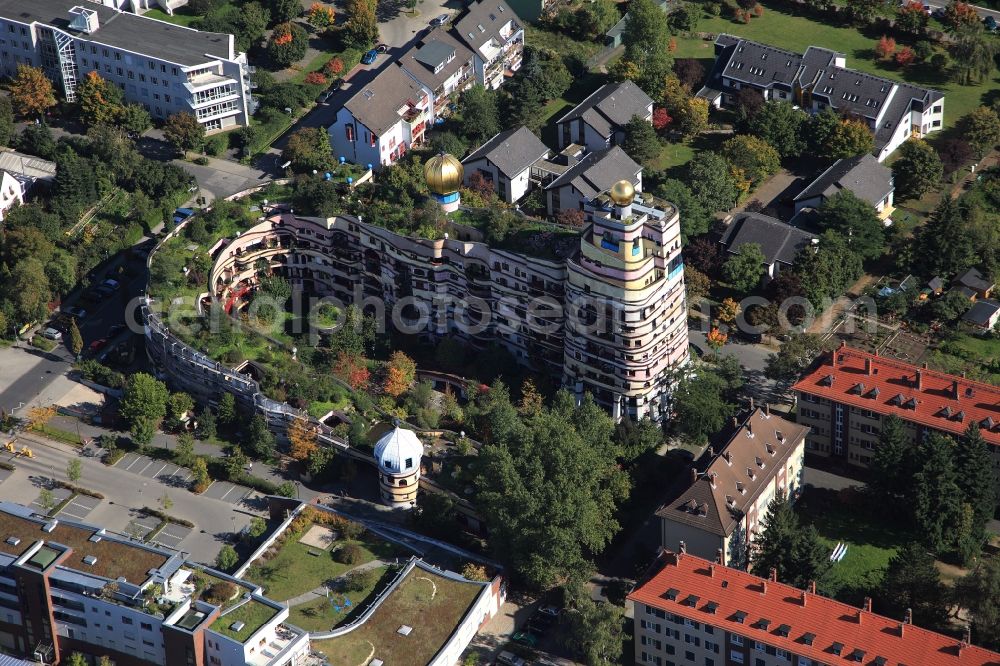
pixel 722 508
pixel 506 161
pixel 779 241
pixel 441 64
pixel 495 34
pixel 598 121
pixel 592 175
pixel 863 176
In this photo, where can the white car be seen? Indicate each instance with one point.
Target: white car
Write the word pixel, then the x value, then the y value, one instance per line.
pixel 441 20
pixel 74 311
pixel 51 334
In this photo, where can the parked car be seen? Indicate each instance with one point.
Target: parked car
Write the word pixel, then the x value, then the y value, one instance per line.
pixel 990 23
pixel 111 284
pixel 103 291
pixel 115 330
pixel 441 20
pixel 75 311
pixel 52 334
pixel 509 659
pixel 97 345
pixel 324 97
pixel 551 611
pixel 525 638
pixel 369 57
pixel 382 48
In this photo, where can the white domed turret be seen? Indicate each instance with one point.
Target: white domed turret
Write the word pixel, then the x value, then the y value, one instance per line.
pixel 398 454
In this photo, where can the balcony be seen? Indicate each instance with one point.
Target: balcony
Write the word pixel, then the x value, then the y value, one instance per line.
pixel 279 649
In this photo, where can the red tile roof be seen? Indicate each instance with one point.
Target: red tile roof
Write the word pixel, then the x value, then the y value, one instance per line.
pixel 944 402
pixel 828 620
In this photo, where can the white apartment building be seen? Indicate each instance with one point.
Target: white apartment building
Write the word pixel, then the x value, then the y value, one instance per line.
pixel 164 67
pixel 495 34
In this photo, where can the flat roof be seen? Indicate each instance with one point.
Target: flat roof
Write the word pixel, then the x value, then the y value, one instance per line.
pixel 126 31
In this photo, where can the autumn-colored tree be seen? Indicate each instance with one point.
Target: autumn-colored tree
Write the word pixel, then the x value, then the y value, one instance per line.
pixel 334 66
pixel 31 91
pixel 715 339
pixel 39 416
pixel 672 45
pixel 758 10
pixel 400 374
pixel 958 15
pixel 531 399
pixel 316 78
pixel 183 131
pixel 905 56
pixel 481 185
pixel 320 16
pixel 301 439
pixel 661 119
pixel 353 370
pixel 885 48
pixel 571 217
pixel 101 102
pixel 728 311
pixel 473 571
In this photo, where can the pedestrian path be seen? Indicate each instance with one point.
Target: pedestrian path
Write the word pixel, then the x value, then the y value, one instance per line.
pixel 322 590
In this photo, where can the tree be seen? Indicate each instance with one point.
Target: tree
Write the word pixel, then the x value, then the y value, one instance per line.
pixel 976 481
pixel 701 406
pixel 795 552
pixel 185 449
pixel 288 44
pixel 794 356
pixel 905 57
pixel 362 26
pixel 641 142
pixel 756 158
pixel 819 130
pixel 850 138
pixel 825 272
pixel 77 659
pixel 690 72
pixel 712 182
pixel 979 593
pixel 226 411
pixel 320 16
pixel 684 18
pixel 974 53
pixel 46 500
pixel 936 495
pixel 134 119
pixel 284 10
pixel 199 469
pixel 101 102
pixel 75 338
pixel 37 140
pixel 749 101
pixel 744 270
pixel 6 121
pixel 259 440
pixel 917 169
pixel 716 340
pixel 301 440
pixel 256 528
pixel 692 117
pixel 646 39
pixel 142 432
pixel 661 119
pixel 73 470
pixel 308 149
pixel 885 48
pixel 981 128
pixel 864 12
pixel 893 466
pixel 480 114
pixel 236 463
pixel 183 131
pixel 911 17
pixel 781 125
pixel 400 373
pixel 854 219
pixel 180 404
pixel 912 582
pixel 251 24
pixel 165 502
pixel 353 370
pixel 695 219
pixel 593 632
pixel 696 284
pixel 959 15
pixel 144 398
pixel 943 245
pixel 227 559
pixel 31 92
pixel 955 153
pixel 473 571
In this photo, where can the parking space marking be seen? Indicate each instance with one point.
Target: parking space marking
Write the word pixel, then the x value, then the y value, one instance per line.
pixel 5 474
pixel 136 458
pixel 152 470
pixel 172 535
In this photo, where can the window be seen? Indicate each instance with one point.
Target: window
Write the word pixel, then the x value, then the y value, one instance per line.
pixel 409 463
pixel 736 657
pixel 736 639
pixel 126 620
pixel 118 56
pixel 783 654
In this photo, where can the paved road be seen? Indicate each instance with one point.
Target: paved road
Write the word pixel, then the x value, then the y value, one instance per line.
pixel 982 11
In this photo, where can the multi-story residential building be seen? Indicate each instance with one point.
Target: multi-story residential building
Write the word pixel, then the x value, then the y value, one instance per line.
pixel 863 176
pixel 18 173
pixel 381 121
pixel 720 513
pixel 67 587
pixel 847 393
pixel 598 122
pixel 506 161
pixel 11 193
pixel 441 65
pixel 494 33
pixel 623 293
pixel 819 78
pixel 164 67
pixel 692 611
pixel 590 176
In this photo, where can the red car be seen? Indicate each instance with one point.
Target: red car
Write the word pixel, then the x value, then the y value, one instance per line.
pixel 98 345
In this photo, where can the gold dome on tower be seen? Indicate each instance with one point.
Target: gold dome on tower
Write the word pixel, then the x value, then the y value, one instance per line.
pixel 443 173
pixel 622 193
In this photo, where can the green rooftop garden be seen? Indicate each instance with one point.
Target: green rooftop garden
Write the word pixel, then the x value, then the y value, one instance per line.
pixel 253 614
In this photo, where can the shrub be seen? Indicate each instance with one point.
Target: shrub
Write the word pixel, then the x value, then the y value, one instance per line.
pixel 316 78
pixel 349 554
pixel 352 530
pixel 219 593
pixel 356 581
pixel 217 145
pixel 201 161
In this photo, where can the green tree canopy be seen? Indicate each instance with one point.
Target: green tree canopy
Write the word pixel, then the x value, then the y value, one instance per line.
pixel 913 582
pixel 855 220
pixel 702 404
pixel 308 149
pixel 793 550
pixel 943 245
pixel 979 593
pixel 641 142
pixel 183 131
pixel 756 158
pixel 479 110
pixel 937 498
pixel 144 398
pixel 794 356
pixel 712 182
pixel 850 138
pixel 744 270
pixel 781 125
pixel 917 170
pixel 695 219
pixel 826 271
pixel 647 40
pixel 981 128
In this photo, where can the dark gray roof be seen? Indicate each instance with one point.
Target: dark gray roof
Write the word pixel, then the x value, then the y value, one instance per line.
pixel 611 106
pixel 981 312
pixel 598 171
pixel 434 49
pixel 126 31
pixel 973 279
pixel 779 241
pixel 864 176
pixel 935 283
pixel 511 151
pixel 377 104
pixel 483 21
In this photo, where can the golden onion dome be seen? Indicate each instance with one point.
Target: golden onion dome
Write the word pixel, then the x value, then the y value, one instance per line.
pixel 622 193
pixel 444 173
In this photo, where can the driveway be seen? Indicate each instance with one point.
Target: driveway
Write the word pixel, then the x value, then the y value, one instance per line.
pixel 398 25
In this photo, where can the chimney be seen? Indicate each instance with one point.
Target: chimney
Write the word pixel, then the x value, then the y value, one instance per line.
pixel 729 457
pixel 966 636
pixel 718 556
pixel 868 604
pixel 711 451
pixel 711 570
pixel 908 618
pixel 694 475
pixel 736 422
pixel 802 598
pixel 833 358
pixel 751 404
pixel 763 588
pixel 749 428
pixel 682 548
pixel 812 587
pixel 918 381
pixel 773 574
pixel 868 366
pixel 767 409
pixel 901 625
pixel 711 478
pixel 954 390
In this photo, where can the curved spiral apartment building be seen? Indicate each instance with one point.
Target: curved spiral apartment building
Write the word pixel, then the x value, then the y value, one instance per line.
pixel 609 319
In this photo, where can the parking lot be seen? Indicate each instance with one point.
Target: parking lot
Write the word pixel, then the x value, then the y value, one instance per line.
pixel 79 508
pixel 154 469
pixel 141 525
pixel 58 495
pixel 5 474
pixel 227 492
pixel 172 535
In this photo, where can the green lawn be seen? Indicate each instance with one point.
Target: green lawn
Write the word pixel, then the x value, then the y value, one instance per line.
pixel 871 544
pixel 179 17
pixel 319 615
pixel 795 33
pixel 253 614
pixel 298 568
